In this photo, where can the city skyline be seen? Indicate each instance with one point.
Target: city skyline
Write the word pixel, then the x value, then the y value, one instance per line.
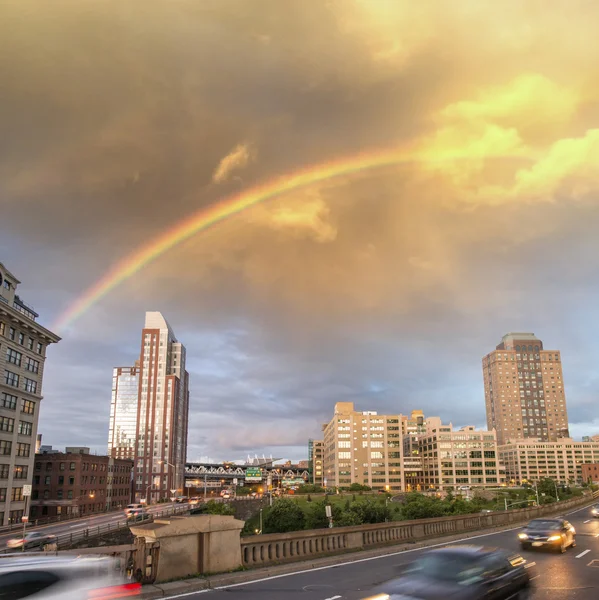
pixel 471 211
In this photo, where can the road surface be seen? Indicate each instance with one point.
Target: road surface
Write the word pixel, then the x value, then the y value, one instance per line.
pixel 76 525
pixel 569 576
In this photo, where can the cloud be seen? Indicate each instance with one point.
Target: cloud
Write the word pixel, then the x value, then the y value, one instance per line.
pixel 383 287
pixel 238 158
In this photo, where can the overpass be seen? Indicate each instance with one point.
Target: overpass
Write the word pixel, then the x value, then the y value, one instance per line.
pixel 202 475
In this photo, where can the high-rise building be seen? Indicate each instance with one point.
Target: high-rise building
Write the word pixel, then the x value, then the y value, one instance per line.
pixel 363 447
pixel 524 390
pixel 153 397
pixel 122 430
pixel 23 344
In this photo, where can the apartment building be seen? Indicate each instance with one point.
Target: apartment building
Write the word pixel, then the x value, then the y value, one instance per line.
pixel 315 461
pixel 153 397
pixel 363 447
pixel 78 483
pixel 445 458
pixel 590 473
pixel 533 459
pixel 23 345
pixel 524 390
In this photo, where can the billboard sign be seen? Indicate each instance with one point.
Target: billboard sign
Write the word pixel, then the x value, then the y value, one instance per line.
pixel 253 474
pixel 293 482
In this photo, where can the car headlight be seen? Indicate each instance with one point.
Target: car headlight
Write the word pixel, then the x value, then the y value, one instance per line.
pixel 522 536
pixel 554 538
pixel 572 530
pixel 594 511
pixel 379 597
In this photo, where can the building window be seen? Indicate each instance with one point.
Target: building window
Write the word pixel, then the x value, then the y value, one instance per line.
pixel 32 365
pixel 39 348
pixel 12 332
pixel 21 338
pixel 2 494
pixel 16 516
pixel 25 428
pixel 59 494
pixel 14 357
pixel 11 378
pixel 16 495
pixel 20 472
pixel 4 471
pixel 70 494
pixel 2 330
pixel 27 406
pixel 72 466
pixel 61 466
pixel 5 447
pixel 30 343
pixel 7 424
pixel 34 496
pixel 8 401
pixel 30 386
pixel 61 480
pixel 47 480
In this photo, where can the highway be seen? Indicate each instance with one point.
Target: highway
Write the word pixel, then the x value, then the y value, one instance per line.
pixel 75 525
pixel 569 576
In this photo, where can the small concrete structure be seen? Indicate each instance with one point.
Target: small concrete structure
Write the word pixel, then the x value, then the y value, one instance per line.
pixel 193 545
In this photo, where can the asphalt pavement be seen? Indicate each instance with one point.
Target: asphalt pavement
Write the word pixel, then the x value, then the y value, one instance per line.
pixel 570 576
pixel 76 525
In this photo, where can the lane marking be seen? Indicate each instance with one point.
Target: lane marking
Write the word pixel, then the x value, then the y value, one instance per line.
pixel 351 562
pixel 582 554
pixel 587 521
pixel 333 598
pixel 78 525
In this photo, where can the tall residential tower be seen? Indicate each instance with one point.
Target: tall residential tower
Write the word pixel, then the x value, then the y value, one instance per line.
pixel 23 344
pixel 524 390
pixel 150 401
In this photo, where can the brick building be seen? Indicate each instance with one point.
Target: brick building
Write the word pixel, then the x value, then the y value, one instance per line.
pixel 79 483
pixel 590 472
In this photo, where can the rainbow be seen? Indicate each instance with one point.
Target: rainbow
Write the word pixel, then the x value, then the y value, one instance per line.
pixel 232 205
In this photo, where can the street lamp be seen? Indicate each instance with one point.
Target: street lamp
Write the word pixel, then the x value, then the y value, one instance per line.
pixel 91 495
pixel 165 462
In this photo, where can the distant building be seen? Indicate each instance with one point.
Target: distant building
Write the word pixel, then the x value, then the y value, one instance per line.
pixel 23 344
pixel 363 447
pixel 122 430
pixel 76 450
pixel 533 459
pixel 149 412
pixel 524 390
pixel 590 473
pixel 448 459
pixel 315 461
pixel 590 438
pixel 79 483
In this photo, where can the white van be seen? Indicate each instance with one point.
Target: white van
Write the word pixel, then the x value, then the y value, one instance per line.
pixel 134 510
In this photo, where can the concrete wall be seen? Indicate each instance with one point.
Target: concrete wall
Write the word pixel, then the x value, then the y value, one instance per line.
pixel 264 550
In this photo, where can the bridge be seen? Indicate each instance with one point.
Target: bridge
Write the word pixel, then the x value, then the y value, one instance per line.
pixel 214 475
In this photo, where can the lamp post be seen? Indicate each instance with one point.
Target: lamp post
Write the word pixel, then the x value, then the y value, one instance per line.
pixel 91 495
pixel 165 462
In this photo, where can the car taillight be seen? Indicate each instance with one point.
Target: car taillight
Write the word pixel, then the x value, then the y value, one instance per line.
pixel 115 591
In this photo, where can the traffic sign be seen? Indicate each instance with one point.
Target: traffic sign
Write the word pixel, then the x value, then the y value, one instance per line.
pixel 235 481
pixel 26 490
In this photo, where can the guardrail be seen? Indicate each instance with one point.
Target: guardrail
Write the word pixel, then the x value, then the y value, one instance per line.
pixel 269 549
pixel 64 541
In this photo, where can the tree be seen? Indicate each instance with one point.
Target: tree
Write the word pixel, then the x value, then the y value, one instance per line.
pixel 216 508
pixel 418 506
pixel 358 487
pixel 316 517
pixel 284 516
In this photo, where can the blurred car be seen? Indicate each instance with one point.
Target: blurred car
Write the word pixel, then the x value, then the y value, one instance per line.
pixel 32 539
pixel 195 500
pixel 135 512
pixel 595 511
pixel 461 572
pixel 556 533
pixel 64 578
pixel 226 495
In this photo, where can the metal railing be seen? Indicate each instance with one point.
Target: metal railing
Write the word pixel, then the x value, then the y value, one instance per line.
pixel 66 540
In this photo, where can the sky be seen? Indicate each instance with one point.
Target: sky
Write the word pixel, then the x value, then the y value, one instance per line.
pixel 384 287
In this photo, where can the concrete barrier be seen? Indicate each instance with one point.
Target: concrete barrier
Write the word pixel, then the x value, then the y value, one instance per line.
pixel 277 548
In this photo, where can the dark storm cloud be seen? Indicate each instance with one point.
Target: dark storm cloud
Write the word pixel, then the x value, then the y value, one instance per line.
pixel 385 288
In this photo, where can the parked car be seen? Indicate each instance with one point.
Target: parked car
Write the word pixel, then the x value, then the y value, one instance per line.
pixel 552 533
pixel 464 572
pixel 32 539
pixel 64 578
